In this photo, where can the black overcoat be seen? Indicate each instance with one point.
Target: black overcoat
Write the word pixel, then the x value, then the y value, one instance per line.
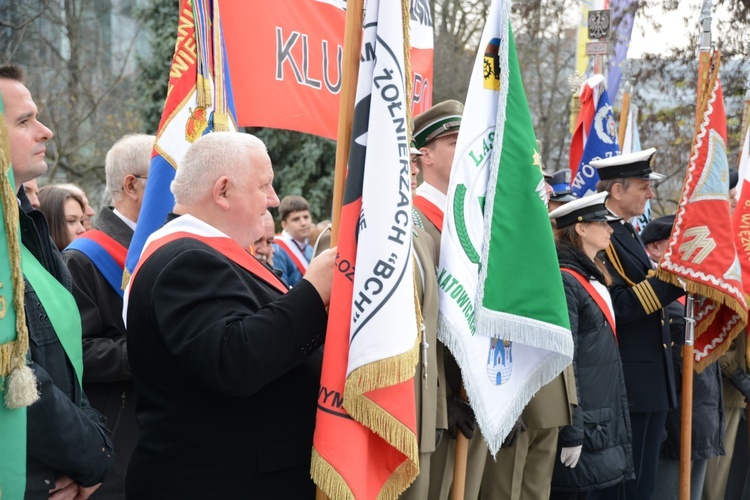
pixel 227 372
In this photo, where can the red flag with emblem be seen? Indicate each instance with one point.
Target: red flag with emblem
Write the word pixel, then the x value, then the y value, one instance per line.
pixel 702 254
pixel 365 444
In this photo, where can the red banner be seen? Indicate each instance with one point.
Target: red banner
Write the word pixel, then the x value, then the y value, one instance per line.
pixel 285 60
pixel 365 443
pixel 701 252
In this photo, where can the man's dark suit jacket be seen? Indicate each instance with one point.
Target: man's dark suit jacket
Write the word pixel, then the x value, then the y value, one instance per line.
pixel 227 372
pixel 642 328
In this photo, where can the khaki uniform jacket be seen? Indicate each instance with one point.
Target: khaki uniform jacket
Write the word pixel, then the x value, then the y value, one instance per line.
pixel 551 405
pixel 730 362
pixel 430 378
pixel 422 222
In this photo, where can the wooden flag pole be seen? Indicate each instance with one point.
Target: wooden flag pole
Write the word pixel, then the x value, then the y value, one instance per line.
pixel 624 114
pixel 686 416
pixel 459 461
pixel 350 69
pixel 686 421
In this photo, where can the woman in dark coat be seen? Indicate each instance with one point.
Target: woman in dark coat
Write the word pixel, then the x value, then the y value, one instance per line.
pixel 594 452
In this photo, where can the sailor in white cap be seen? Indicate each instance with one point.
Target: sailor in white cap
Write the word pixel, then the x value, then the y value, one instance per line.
pixel 639 298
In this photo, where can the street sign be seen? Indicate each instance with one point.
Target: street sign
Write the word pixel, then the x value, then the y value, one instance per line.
pixel 600 24
pixel 597 49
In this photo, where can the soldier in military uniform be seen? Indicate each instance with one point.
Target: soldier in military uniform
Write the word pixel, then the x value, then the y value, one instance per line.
pixel 435 134
pixel 638 298
pixel 429 382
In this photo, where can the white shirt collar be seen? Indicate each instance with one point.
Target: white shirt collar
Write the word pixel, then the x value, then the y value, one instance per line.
pixel 127 221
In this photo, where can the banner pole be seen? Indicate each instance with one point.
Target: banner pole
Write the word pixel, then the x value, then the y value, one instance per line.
pixel 704 64
pixel 686 416
pixel 350 69
pixel 624 111
pixel 459 461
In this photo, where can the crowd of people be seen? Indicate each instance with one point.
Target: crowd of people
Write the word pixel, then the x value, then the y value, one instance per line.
pixel 200 378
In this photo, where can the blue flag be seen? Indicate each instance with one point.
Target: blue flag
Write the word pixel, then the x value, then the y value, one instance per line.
pixel 600 143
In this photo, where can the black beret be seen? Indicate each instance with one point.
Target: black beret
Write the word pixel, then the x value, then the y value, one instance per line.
pixel 658 229
pixel 734 177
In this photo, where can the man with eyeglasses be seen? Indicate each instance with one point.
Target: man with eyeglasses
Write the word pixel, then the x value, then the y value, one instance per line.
pixel 96 261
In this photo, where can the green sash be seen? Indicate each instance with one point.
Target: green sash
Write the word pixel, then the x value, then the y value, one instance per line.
pixel 12 421
pixel 13 456
pixel 60 306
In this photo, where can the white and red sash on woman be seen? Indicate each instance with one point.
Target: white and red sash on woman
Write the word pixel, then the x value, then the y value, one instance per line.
pixel 187 226
pixel 287 243
pixel 431 202
pixel 604 304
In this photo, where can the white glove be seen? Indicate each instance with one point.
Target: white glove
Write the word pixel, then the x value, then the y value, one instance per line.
pixel 570 456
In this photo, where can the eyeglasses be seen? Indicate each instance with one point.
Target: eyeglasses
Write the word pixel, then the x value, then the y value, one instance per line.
pixel 144 177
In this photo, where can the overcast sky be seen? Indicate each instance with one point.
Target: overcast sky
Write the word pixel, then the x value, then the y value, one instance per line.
pixel 673 33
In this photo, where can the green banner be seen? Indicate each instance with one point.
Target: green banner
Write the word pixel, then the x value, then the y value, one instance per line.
pixel 522 252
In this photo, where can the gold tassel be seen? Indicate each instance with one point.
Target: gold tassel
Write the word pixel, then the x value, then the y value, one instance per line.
pixel 13 354
pixel 21 388
pixel 221 122
pixel 203 89
pixel 125 279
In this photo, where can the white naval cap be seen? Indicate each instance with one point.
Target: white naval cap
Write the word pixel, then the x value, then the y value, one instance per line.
pixel 636 165
pixel 587 209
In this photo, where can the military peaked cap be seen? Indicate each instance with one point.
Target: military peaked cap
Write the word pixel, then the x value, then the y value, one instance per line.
pixel 443 118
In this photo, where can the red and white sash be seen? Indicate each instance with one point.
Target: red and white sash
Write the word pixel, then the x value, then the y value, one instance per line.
pixel 600 301
pixel 188 226
pixel 429 201
pixel 286 243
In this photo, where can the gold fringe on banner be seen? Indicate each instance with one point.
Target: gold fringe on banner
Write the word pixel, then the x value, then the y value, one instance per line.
pixel 328 478
pixel 406 17
pixel 384 373
pixel 702 326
